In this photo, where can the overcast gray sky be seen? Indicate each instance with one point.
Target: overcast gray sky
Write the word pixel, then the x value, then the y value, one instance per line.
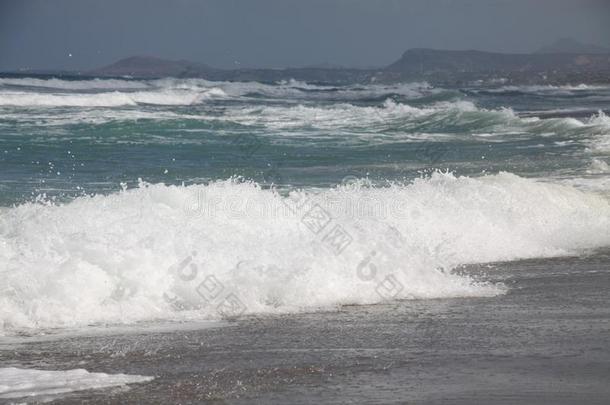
pixel 278 33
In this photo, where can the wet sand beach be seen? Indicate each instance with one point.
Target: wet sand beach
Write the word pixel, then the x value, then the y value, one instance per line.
pixel 544 342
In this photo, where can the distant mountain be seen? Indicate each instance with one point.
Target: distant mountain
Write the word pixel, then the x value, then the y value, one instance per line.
pixel 435 66
pixel 153 67
pixel 150 66
pixel 460 66
pixel 569 45
pixel 426 61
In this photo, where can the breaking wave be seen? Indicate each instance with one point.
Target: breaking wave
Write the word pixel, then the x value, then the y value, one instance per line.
pixel 545 90
pixel 231 248
pixel 116 92
pixel 397 108
pixel 107 99
pixel 601 142
pixel 93 84
pixel 443 117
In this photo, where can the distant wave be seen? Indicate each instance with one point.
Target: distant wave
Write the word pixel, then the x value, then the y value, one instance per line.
pixel 298 89
pixel 159 252
pixel 388 120
pixel 601 142
pixel 93 84
pixel 546 90
pixel 444 117
pixel 106 99
pixel 285 89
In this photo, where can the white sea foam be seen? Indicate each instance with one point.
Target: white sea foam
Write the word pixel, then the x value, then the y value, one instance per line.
pixel 37 90
pixel 595 181
pixel 600 143
pixel 158 252
pixel 107 99
pixel 387 122
pixel 598 166
pixel 456 116
pixel 339 115
pixel 302 90
pixel 93 116
pixel 47 384
pixel 392 116
pixel 564 90
pixel 94 84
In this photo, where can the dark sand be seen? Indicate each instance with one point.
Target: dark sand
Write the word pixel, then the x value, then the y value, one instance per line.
pixel 547 341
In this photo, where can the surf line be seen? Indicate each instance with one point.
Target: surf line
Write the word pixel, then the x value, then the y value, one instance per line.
pixel 323 226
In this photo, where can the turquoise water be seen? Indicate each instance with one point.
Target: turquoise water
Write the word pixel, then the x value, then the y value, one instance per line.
pixel 126 201
pixel 68 137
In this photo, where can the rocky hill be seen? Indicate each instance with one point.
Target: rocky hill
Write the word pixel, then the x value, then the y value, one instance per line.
pixel 436 66
pixel 459 66
pixel 150 66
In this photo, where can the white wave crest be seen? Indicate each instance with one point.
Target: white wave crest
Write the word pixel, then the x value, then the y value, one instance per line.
pixel 564 90
pixel 107 99
pixel 601 142
pixel 93 84
pixel 452 116
pixel 204 252
pixel 301 90
pixel 285 89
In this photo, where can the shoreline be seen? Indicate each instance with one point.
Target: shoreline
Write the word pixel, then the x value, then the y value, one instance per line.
pixel 542 342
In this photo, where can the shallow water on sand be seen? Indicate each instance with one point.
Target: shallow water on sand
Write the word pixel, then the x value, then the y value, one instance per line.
pixel 544 342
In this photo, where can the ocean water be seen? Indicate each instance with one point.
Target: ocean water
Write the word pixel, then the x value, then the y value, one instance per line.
pixel 127 201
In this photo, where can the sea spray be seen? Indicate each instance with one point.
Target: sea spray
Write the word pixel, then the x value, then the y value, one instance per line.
pixel 113 258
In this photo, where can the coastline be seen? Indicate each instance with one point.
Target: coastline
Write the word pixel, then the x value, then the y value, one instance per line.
pixel 542 342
